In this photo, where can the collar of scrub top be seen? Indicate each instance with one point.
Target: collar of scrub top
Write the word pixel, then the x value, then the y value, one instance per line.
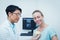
pixel 12 25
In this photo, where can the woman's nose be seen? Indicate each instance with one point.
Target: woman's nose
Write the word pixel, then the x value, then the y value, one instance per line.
pixel 37 19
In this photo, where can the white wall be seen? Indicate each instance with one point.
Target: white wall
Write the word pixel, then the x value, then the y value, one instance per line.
pixel 50 9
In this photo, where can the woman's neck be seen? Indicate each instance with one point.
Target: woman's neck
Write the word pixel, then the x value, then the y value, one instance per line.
pixel 43 25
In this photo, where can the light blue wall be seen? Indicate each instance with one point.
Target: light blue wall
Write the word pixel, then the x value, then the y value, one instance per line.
pixel 50 9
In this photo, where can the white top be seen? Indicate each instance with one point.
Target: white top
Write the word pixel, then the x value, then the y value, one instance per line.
pixel 6 31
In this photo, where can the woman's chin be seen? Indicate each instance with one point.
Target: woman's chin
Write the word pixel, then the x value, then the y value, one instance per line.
pixel 39 23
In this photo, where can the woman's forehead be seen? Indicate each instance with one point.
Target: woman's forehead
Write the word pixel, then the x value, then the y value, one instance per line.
pixel 36 14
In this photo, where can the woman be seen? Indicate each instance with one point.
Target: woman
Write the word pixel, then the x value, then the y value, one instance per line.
pixel 43 31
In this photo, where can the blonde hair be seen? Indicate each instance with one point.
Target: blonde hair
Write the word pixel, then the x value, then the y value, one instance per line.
pixel 39 12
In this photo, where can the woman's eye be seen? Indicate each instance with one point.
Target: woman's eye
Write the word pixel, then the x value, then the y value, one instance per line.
pixel 38 16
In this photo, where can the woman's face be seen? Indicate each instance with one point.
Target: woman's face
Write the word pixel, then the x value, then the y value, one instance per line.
pixel 38 18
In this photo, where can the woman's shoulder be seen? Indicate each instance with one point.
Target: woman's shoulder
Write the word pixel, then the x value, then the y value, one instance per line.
pixel 50 27
pixel 51 31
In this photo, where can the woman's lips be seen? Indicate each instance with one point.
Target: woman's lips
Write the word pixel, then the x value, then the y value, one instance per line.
pixel 38 22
